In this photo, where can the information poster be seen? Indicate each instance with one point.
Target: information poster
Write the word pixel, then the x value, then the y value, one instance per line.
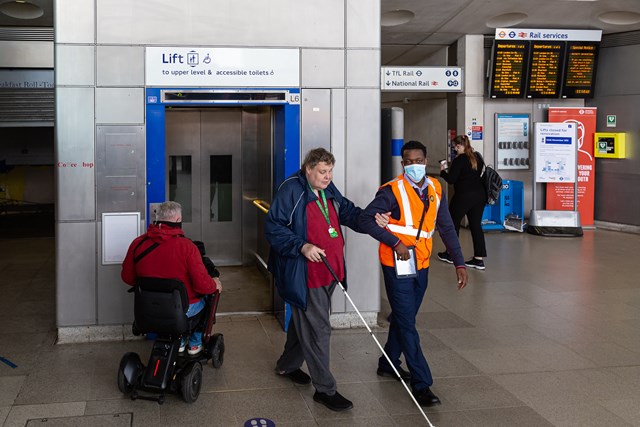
pixel 560 196
pixel 555 152
pixel 512 141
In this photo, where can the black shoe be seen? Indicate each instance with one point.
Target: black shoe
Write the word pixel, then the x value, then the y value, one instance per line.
pixel 426 397
pixel 298 376
pixel 444 256
pixel 475 263
pixel 335 402
pixel 405 375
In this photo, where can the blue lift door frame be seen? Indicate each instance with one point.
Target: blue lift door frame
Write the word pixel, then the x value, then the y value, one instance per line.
pixel 286 147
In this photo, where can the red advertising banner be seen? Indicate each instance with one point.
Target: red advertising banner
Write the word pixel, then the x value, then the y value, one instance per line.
pixel 560 196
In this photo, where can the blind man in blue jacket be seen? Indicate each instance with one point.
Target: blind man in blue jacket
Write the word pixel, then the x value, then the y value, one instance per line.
pixel 303 223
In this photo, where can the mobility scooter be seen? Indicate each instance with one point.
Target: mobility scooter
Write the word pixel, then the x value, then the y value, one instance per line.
pixel 160 308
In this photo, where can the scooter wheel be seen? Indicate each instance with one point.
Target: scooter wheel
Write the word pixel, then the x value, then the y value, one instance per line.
pixel 123 385
pixel 191 382
pixel 217 350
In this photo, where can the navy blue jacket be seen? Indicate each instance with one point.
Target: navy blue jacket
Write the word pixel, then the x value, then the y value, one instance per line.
pixel 286 232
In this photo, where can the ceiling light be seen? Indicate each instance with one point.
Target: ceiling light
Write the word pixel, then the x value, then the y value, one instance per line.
pixel 21 10
pixel 506 20
pixel 396 17
pixel 620 18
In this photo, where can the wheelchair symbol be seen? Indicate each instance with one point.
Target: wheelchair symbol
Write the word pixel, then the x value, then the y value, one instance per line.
pixel 207 59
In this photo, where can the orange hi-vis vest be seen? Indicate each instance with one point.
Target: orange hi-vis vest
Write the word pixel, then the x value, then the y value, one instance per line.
pixel 406 228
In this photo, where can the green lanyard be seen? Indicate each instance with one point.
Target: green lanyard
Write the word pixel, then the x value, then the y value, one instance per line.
pixel 325 212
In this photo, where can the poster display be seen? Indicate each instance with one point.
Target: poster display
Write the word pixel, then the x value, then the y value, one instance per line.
pixel 555 152
pixel 560 196
pixel 512 141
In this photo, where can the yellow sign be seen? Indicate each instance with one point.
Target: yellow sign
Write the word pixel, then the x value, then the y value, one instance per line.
pixel 609 145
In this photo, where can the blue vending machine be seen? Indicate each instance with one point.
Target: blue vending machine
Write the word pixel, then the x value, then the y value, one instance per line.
pixel 509 204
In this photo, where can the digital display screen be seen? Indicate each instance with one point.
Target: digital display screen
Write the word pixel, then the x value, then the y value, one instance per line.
pixel 580 69
pixel 509 69
pixel 545 69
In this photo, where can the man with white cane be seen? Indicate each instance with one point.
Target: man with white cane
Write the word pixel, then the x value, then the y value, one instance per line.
pixel 418 209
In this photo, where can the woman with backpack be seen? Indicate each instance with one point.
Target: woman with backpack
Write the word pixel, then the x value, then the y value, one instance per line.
pixel 470 197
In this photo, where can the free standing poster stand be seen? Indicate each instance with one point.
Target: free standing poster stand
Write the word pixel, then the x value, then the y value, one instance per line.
pixel 555 160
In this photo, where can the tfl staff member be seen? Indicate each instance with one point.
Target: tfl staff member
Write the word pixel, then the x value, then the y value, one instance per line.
pixel 417 210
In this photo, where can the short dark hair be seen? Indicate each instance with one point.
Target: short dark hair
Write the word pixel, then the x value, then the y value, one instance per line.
pixel 316 156
pixel 413 145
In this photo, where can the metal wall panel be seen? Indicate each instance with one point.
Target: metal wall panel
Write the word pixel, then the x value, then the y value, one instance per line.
pixel 120 169
pixel 322 68
pixel 115 304
pixel 75 154
pixel 362 163
pixel 120 66
pixel 363 68
pixel 363 23
pixel 120 105
pixel 75 65
pixel 315 120
pixel 617 193
pixel 285 23
pixel 76 273
pixel 618 69
pixel 26 54
pixel 75 21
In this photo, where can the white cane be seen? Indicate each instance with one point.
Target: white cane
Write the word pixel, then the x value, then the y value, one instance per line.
pixel 375 339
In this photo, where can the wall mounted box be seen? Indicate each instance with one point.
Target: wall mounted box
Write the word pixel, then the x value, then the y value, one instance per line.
pixel 609 145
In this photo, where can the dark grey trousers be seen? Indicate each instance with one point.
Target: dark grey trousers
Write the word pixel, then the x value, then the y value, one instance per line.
pixel 309 340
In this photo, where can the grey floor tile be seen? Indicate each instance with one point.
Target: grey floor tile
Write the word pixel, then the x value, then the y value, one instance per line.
pixel 278 405
pixel 143 413
pixel 394 398
pixel 20 414
pixel 9 389
pixel 211 409
pixel 541 388
pixel 448 363
pixel 521 416
pixel 439 419
pixel 479 392
pixel 380 421
pixel 44 387
pixel 627 409
pixel 365 403
pixel 4 411
pixel 117 420
pixel 585 414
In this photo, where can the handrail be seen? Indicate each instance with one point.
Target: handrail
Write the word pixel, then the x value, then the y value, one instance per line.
pixel 263 205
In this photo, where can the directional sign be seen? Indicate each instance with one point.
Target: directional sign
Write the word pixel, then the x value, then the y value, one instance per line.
pixel 421 79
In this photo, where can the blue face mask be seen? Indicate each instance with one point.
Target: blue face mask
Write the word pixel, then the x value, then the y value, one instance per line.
pixel 415 172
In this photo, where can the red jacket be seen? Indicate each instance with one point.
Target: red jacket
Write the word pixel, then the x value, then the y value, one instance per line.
pixel 176 257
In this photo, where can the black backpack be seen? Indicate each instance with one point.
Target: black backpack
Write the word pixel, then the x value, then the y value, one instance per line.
pixel 492 184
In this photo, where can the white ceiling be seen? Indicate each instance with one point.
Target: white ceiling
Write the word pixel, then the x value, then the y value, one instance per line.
pixel 440 23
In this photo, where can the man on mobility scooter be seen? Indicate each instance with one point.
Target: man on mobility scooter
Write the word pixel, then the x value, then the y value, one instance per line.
pixel 176 293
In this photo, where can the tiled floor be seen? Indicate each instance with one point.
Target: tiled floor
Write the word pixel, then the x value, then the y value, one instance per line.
pixel 548 335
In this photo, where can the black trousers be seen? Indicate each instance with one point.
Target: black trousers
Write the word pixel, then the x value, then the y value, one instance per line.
pixel 472 205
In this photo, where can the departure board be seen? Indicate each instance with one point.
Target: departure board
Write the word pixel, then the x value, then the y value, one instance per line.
pixel 545 69
pixel 509 69
pixel 580 69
